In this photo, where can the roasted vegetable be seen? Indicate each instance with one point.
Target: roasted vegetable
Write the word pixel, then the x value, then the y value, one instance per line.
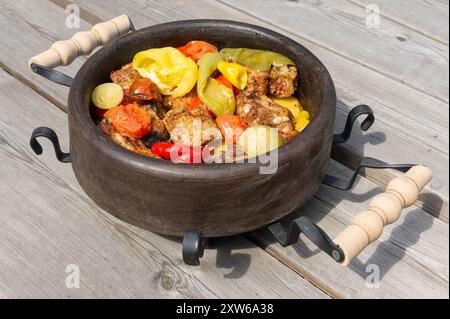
pixel 129 120
pixel 228 84
pixel 233 72
pixel 231 127
pixel 291 103
pixel 301 117
pixel 259 60
pixel 260 139
pixel 302 121
pixel 196 49
pixel 218 97
pixel 179 153
pixel 144 89
pixel 107 95
pixel 168 68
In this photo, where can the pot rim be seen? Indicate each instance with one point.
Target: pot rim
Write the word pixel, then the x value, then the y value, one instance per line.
pixel 124 157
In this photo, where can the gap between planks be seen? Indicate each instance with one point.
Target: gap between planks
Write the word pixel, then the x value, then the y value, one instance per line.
pixel 137 244
pixel 404 24
pixel 336 52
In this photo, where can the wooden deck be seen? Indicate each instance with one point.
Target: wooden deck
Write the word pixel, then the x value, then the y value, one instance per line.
pixel 400 69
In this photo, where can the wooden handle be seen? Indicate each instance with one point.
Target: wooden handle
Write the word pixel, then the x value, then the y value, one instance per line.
pixel 82 43
pixel 384 209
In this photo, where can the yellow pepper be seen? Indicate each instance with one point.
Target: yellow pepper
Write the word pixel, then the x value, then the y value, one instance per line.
pixel 301 117
pixel 211 92
pixel 168 68
pixel 233 72
pixel 302 121
pixel 291 103
pixel 259 60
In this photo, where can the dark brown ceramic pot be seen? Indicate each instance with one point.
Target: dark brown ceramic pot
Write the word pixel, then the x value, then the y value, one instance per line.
pixel 214 199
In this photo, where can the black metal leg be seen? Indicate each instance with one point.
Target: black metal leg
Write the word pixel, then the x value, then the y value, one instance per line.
pixel 288 235
pixel 193 248
pixel 352 116
pixel 51 135
pixel 339 154
pixel 369 162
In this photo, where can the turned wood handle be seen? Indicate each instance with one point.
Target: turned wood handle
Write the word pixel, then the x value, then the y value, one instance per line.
pixel 82 43
pixel 384 209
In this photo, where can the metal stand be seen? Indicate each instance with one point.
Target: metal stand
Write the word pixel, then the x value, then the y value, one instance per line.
pixel 51 135
pixel 289 234
pixel 193 248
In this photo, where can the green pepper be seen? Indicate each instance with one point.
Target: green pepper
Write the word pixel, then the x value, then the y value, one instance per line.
pixel 259 60
pixel 215 95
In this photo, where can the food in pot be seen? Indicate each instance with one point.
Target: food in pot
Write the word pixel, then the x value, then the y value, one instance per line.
pixel 107 95
pixel 194 102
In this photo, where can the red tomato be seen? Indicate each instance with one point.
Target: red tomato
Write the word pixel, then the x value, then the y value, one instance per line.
pixel 231 127
pixel 129 120
pixel 126 98
pixel 100 112
pixel 144 89
pixel 162 149
pixel 228 84
pixel 184 154
pixel 196 102
pixel 195 49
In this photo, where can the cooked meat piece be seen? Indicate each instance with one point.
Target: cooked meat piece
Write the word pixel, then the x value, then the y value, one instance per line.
pixel 185 128
pixel 260 110
pixel 257 82
pixel 157 124
pixel 201 110
pixel 283 81
pixel 125 76
pixel 287 130
pixel 130 144
pixel 177 103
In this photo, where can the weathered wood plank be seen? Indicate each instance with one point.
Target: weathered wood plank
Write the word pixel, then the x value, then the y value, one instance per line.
pixel 48 223
pixel 31 27
pixel 411 255
pixel 432 20
pixel 394 104
pixel 312 275
pixel 393 50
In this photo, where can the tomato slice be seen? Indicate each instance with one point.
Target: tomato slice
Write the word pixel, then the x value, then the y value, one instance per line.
pixel 129 120
pixel 144 89
pixel 195 49
pixel 228 84
pixel 231 127
pixel 196 102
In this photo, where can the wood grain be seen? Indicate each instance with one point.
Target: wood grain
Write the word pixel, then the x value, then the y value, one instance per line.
pixel 390 139
pixel 36 25
pixel 412 255
pixel 433 20
pixel 49 223
pixel 395 51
